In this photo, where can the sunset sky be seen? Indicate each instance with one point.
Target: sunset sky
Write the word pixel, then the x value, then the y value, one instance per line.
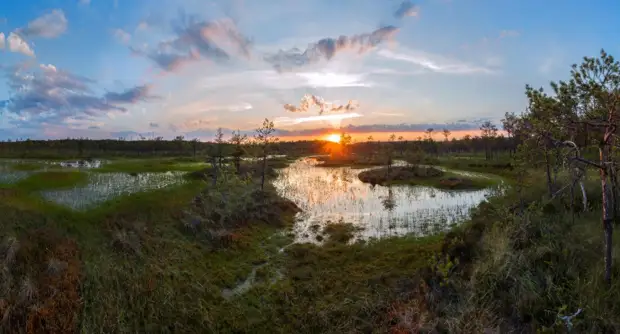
pixel 118 68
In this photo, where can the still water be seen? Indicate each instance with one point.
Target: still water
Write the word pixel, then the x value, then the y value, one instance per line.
pixel 101 187
pixel 337 195
pixel 8 175
pixel 106 186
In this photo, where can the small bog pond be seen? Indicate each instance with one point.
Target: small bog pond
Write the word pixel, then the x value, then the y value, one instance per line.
pixel 106 186
pixel 100 187
pixel 327 194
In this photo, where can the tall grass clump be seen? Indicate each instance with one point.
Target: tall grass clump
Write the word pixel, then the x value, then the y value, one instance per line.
pixel 536 269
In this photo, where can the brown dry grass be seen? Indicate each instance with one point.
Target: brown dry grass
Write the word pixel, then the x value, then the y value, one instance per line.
pixel 44 294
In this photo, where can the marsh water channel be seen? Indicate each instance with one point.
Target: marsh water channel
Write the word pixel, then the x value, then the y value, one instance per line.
pixel 335 194
pixel 325 194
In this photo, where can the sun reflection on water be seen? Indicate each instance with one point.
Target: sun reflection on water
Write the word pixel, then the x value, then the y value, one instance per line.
pixel 336 194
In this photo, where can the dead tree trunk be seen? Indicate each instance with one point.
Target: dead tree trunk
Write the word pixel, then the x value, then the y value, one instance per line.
pixel 607 192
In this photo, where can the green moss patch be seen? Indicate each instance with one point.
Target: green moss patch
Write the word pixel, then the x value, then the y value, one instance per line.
pixel 52 180
pixel 26 166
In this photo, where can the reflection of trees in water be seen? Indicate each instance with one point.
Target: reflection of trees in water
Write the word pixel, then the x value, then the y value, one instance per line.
pixel 389 201
pixel 334 193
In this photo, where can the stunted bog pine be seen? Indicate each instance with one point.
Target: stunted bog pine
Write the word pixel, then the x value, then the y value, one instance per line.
pixel 584 110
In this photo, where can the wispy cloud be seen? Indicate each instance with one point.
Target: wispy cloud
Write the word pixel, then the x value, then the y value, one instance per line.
pixel 309 101
pixel 331 79
pixel 130 96
pixel 435 63
pixel 153 125
pixel 84 2
pixel 328 48
pixel 407 8
pixel 50 25
pixel 194 40
pixel 17 44
pixel 2 41
pixel 47 94
pixel 413 127
pixel 332 117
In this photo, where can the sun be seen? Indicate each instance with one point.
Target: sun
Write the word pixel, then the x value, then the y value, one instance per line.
pixel 334 137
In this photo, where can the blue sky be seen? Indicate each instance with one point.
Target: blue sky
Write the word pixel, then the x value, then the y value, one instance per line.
pixel 109 68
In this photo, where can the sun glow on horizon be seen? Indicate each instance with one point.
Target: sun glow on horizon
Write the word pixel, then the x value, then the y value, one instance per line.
pixel 334 138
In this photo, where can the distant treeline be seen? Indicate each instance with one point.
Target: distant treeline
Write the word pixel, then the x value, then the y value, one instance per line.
pixel 489 143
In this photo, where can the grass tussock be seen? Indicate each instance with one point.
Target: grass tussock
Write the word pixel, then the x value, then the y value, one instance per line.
pixel 425 176
pixel 52 180
pixel 502 168
pixel 340 232
pixel 164 261
pixel 512 272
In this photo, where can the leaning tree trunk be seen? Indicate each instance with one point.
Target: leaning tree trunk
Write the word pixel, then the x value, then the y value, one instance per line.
pixel 608 208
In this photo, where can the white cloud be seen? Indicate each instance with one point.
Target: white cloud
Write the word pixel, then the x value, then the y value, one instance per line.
pixel 50 25
pixel 435 63
pixel 2 41
pixel 285 81
pixel 76 123
pixel 329 79
pixel 330 117
pixel 17 44
pixel 122 35
pixel 48 68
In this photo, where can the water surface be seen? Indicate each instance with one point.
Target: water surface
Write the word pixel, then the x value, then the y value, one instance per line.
pixel 106 186
pixel 327 194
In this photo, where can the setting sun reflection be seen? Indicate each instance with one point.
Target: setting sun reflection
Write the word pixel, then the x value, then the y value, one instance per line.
pixel 334 137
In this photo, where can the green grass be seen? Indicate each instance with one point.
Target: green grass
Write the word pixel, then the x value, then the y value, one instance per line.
pixel 52 180
pixel 411 175
pixel 26 166
pixel 134 267
pixel 520 272
pixel 444 182
pixel 502 167
pixel 131 265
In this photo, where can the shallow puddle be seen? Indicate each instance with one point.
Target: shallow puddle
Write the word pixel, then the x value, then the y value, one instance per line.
pixel 8 175
pixel 106 186
pixel 337 195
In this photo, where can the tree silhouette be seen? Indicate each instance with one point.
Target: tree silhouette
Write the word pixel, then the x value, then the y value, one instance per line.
pixel 265 138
